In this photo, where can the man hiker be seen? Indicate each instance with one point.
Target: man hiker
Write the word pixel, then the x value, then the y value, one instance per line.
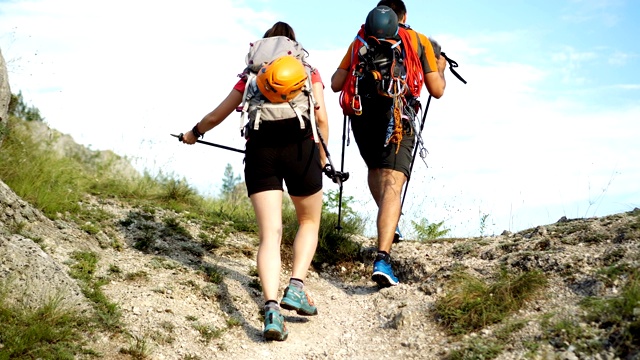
pixel 382 124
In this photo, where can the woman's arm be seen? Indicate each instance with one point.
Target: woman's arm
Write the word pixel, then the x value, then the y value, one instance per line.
pixel 321 118
pixel 215 117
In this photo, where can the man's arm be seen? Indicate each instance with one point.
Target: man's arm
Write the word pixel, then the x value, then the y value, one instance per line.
pixel 338 78
pixel 435 81
pixel 434 69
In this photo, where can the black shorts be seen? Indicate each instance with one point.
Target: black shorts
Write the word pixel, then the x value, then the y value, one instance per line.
pixel 274 157
pixel 370 131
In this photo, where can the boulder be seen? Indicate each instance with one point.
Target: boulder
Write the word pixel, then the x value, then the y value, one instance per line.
pixel 5 94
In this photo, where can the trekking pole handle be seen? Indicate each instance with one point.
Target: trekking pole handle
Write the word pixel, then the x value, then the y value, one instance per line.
pixel 181 139
pixel 453 64
pixel 336 176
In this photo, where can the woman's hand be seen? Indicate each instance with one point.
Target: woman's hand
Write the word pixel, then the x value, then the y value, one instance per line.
pixel 189 138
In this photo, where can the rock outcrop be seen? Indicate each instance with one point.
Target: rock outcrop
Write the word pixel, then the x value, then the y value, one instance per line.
pixel 5 94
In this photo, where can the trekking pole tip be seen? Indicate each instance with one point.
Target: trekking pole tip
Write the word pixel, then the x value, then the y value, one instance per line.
pixel 180 137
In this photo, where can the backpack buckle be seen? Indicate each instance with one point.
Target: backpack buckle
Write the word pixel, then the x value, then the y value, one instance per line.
pixel 356 105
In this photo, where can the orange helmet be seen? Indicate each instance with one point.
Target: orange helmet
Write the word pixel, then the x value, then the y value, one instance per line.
pixel 282 79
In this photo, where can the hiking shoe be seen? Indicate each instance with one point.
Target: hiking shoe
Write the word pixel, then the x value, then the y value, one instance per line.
pixel 298 300
pixel 274 327
pixel 383 274
pixel 398 235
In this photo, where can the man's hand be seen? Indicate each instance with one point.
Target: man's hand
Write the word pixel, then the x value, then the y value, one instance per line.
pixel 442 64
pixel 436 48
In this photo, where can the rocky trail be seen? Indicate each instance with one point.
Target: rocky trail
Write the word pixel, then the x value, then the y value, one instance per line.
pixel 171 308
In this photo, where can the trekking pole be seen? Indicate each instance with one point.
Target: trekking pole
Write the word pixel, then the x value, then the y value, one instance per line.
pixel 452 65
pixel 338 177
pixel 344 135
pixel 415 152
pixel 210 144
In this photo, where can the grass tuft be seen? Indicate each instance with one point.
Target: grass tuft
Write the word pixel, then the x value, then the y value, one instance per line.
pixel 472 304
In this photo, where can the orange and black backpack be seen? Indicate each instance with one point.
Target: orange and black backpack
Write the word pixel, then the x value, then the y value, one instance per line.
pixel 388 67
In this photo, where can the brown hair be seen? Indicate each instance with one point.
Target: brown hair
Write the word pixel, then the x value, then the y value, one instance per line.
pixel 281 29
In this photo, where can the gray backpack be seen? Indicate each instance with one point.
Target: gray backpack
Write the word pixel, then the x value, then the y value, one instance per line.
pixel 258 107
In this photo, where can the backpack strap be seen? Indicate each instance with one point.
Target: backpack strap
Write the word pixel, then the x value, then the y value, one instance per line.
pixel 244 105
pixel 256 121
pixel 312 111
pixel 349 99
pixel 298 113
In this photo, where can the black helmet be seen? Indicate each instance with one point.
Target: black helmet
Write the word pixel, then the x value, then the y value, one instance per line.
pixel 382 22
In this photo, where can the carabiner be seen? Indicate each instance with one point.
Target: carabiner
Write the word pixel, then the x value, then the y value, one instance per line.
pixel 356 104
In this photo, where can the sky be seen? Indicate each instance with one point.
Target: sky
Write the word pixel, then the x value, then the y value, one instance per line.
pixel 546 126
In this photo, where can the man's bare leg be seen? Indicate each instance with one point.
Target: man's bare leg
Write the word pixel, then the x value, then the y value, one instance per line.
pixel 386 188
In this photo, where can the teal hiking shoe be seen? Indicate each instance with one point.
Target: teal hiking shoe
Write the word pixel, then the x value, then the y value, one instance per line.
pixel 383 274
pixel 298 300
pixel 274 327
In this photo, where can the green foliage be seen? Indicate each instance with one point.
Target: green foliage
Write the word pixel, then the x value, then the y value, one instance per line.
pixel 108 313
pixel 4 130
pixel 472 304
pixel 477 348
pixel 334 245
pixel 40 177
pixel 172 227
pixel 176 193
pixel 229 182
pixel 208 332
pixel 212 242
pixel 482 348
pixel 221 215
pixel 619 314
pixel 19 109
pixel 426 231
pixel 213 273
pixel 56 185
pixel 332 200
pixel 483 223
pixel 138 347
pixel 47 332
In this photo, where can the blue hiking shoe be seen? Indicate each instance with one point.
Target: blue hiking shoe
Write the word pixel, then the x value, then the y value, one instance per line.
pixel 298 300
pixel 274 327
pixel 383 274
pixel 398 235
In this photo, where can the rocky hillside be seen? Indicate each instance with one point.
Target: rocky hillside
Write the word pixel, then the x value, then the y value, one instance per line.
pixel 179 300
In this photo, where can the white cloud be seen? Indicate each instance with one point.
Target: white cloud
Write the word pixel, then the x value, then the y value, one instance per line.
pixel 602 11
pixel 124 77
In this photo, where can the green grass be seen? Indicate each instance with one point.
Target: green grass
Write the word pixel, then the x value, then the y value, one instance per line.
pixel 56 185
pixel 47 332
pixel 472 304
pixel 83 269
pixel 428 232
pixel 618 316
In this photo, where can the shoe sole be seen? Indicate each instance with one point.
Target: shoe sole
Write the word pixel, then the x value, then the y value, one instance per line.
pixel 296 307
pixel 383 280
pixel 274 334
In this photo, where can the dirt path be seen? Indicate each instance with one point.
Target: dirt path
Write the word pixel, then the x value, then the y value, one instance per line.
pixel 169 299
